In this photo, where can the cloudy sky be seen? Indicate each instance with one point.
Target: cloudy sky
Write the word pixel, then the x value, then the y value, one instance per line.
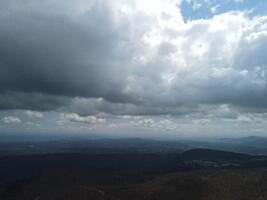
pixel 189 68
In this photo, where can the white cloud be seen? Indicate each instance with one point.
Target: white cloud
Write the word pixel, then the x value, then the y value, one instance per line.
pixel 202 122
pixel 251 118
pixel 12 120
pixel 31 124
pixel 33 114
pixel 166 124
pixel 239 1
pixel 245 119
pixel 196 5
pixel 84 119
pixel 214 9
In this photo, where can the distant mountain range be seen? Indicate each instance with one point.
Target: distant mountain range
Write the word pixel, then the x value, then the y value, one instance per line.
pixel 247 145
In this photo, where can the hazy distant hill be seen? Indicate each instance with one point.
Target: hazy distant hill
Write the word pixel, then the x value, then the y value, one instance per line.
pixel 208 154
pixel 251 140
pixel 249 145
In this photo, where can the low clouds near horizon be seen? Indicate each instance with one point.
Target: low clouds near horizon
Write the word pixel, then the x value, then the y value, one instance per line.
pixel 102 59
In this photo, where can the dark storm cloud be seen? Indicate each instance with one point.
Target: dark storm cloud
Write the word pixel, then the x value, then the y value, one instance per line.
pixel 55 54
pixel 31 101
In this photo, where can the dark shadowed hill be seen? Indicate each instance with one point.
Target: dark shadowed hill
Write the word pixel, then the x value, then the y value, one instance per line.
pixel 195 174
pixel 228 184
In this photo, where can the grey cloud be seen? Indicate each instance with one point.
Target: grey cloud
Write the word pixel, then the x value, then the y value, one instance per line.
pixel 85 106
pixel 31 101
pixel 92 57
pixel 61 55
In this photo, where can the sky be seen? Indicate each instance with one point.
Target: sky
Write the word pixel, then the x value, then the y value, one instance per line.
pixel 139 68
